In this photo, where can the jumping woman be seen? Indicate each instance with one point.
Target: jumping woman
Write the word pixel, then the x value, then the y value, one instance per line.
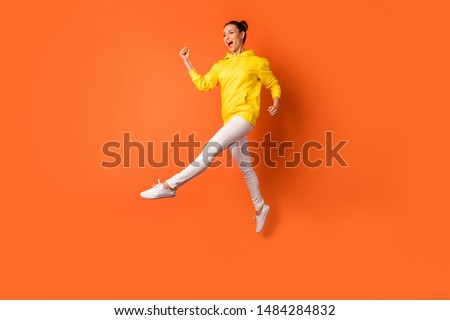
pixel 240 76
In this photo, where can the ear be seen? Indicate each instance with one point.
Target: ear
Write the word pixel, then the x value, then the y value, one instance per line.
pixel 242 34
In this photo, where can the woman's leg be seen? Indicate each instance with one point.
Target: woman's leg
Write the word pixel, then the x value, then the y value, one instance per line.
pixel 232 131
pixel 240 152
pixel 241 155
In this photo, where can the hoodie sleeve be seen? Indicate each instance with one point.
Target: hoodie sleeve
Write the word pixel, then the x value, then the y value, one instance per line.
pixel 208 81
pixel 268 79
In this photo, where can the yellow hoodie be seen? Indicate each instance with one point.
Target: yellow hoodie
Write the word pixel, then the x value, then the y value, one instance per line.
pixel 240 78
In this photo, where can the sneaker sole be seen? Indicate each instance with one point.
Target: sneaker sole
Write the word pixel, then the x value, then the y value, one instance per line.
pixel 155 198
pixel 264 221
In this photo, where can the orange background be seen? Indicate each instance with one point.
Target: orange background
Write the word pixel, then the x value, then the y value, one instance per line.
pixel 76 74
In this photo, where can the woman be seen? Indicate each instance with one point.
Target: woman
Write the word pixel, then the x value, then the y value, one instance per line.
pixel 240 76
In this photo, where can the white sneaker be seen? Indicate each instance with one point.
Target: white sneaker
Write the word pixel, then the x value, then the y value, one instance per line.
pixel 262 218
pixel 158 191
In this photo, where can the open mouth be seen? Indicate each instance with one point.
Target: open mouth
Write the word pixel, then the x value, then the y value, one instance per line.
pixel 229 43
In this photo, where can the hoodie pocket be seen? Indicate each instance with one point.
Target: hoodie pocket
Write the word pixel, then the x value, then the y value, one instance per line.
pixel 250 101
pixel 245 97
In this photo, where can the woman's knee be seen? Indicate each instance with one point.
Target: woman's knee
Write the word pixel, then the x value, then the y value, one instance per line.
pixel 247 170
pixel 213 148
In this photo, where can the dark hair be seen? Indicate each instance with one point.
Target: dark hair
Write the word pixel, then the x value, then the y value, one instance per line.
pixel 242 26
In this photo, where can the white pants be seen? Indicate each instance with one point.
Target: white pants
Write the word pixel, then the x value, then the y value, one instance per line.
pixel 232 135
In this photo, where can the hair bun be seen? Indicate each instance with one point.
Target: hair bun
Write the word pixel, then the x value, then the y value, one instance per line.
pixel 244 25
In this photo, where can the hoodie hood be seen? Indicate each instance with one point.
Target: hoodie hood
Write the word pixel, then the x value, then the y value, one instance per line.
pixel 246 53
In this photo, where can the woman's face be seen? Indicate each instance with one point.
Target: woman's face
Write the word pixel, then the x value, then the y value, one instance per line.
pixel 233 38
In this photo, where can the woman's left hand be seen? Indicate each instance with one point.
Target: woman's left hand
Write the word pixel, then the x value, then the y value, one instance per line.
pixel 273 109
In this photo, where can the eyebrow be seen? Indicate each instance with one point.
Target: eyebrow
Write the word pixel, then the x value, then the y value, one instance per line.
pixel 230 30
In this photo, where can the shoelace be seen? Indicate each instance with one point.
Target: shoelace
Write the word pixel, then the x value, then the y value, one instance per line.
pixel 156 185
pixel 254 218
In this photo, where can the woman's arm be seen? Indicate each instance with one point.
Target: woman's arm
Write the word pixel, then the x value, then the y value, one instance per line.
pixel 185 54
pixel 273 109
pixel 203 83
pixel 271 83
